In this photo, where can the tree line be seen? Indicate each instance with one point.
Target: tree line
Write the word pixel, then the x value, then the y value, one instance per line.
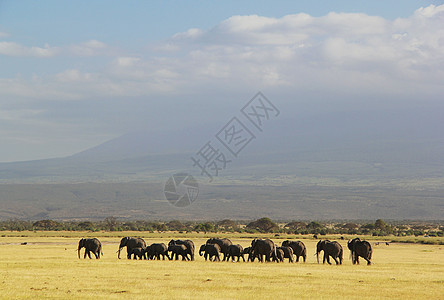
pixel 262 225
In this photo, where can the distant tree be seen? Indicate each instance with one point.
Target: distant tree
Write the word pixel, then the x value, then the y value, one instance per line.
pixel 47 225
pixel 111 223
pixel 175 225
pixel 205 227
pixel 227 224
pixel 86 225
pixel 350 226
pixel 380 224
pixel 295 225
pixel 263 225
pixel 315 225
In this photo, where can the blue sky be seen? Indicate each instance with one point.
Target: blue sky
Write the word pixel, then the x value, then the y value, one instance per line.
pixel 76 73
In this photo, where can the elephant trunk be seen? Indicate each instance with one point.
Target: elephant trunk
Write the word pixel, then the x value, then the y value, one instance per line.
pixel 317 256
pixel 118 255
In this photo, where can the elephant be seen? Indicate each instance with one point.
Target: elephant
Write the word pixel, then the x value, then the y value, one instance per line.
pixel 278 256
pixel 211 251
pixel 138 252
pixel 177 250
pixel 188 244
pixel 360 248
pixel 248 250
pixel 263 247
pixel 90 245
pixel 333 249
pixel 223 244
pixel 288 253
pixel 298 247
pixel 156 250
pixel 130 243
pixel 235 251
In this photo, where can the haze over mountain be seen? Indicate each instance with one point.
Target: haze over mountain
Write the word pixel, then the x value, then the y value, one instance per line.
pixel 352 164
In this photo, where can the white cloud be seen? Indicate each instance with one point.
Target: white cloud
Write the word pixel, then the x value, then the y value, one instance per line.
pixel 73 75
pixel 89 48
pixel 3 34
pixel 127 61
pixel 14 49
pixel 296 52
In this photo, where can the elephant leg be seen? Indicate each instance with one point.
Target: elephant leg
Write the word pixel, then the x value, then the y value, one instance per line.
pixel 89 254
pixel 97 255
pixel 336 260
pixel 297 258
pixel 328 259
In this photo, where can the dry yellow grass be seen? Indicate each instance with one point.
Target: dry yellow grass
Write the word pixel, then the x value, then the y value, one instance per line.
pixel 48 267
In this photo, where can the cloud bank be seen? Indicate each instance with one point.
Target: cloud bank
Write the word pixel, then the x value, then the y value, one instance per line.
pixel 333 56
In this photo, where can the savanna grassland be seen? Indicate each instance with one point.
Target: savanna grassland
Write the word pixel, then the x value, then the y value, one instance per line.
pixel 48 267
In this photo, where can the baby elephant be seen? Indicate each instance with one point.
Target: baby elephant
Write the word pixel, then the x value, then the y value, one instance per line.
pixel 177 250
pixel 211 251
pixel 138 252
pixel 235 251
pixel 288 253
pixel 249 251
pixel 279 256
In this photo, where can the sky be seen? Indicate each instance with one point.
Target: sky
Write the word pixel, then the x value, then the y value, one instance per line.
pixel 74 74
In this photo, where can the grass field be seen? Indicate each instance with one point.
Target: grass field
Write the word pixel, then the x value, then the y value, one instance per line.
pixel 48 267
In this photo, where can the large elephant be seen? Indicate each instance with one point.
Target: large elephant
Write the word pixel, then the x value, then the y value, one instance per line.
pixel 90 245
pixel 298 247
pixel 188 244
pixel 138 252
pixel 360 248
pixel 211 251
pixel 156 250
pixel 223 244
pixel 178 250
pixel 288 253
pixel 263 247
pixel 333 249
pixel 130 243
pixel 235 251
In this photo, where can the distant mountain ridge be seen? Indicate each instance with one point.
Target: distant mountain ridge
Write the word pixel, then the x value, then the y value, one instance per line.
pixel 350 164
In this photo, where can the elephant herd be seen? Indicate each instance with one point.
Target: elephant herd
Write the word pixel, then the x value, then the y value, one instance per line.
pixel 216 249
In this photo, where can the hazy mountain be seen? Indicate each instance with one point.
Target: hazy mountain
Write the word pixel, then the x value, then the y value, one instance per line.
pixel 339 165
